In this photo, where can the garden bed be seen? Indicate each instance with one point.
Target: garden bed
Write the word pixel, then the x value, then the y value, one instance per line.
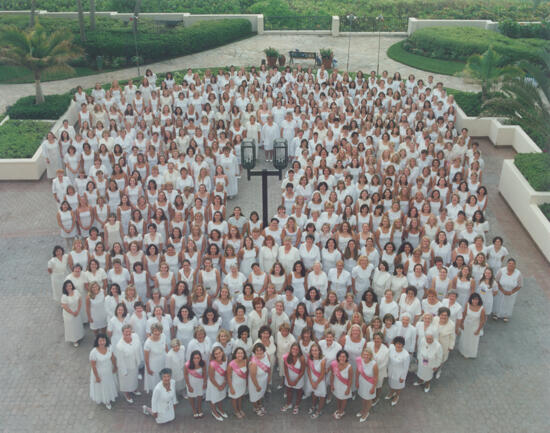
pixel 398 53
pixel 21 138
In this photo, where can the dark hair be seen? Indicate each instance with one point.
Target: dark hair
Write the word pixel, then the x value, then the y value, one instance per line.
pixel 241 329
pixel 263 329
pixel 399 340
pixel 165 371
pixel 299 262
pixel 210 310
pixel 234 355
pixel 317 294
pixel 340 352
pixel 56 249
pixel 123 305
pixel 444 310
pixel 333 319
pixel 190 311
pixel 191 363
pixel 374 296
pixel 473 296
pixel 290 358
pixel 67 282
pixel 258 346
pixel 102 335
pixel 114 285
pixel 139 304
pixel 412 289
pixel 388 316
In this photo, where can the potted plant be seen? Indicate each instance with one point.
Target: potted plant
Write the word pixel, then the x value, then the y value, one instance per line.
pixel 272 55
pixel 326 56
pixel 282 60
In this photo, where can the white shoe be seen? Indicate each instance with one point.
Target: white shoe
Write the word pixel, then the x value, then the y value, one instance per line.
pixel 358 414
pixel 438 374
pixel 108 406
pixel 144 409
pixel 363 418
pixel 138 393
pixel 427 388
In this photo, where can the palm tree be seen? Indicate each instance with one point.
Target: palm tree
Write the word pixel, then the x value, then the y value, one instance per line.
pixel 520 102
pixel 38 50
pixel 540 72
pixel 486 70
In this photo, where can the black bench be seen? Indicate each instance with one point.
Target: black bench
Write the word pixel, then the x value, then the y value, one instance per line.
pixel 297 54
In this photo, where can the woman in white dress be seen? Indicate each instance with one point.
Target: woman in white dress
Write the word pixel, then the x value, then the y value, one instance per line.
pixel 430 356
pixel 230 165
pixel 446 335
pixel 257 317
pixel 294 367
pixel 398 367
pixel 103 386
pixel 216 388
pixel 95 309
pixel 260 370
pixel 71 302
pixel 316 380
pixel 115 324
pixel 66 220
pixel 487 289
pixel 237 373
pixel 184 324
pixel 196 379
pixel 366 378
pixel 57 268
pixel 129 355
pixel 154 354
pixel 341 381
pixel 509 280
pixel 163 399
pixel 471 325
pixel 175 361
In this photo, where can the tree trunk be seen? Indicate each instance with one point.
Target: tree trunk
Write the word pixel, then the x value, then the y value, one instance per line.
pixel 81 20
pixel 33 11
pixel 92 14
pixel 39 95
pixel 136 14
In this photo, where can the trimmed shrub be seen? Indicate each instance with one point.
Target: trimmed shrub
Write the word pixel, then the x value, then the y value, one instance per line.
pixel 470 102
pixel 535 167
pixel 53 108
pixel 515 30
pixel 21 138
pixel 178 42
pixel 459 43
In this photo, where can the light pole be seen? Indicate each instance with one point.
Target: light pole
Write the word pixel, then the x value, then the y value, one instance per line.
pixel 280 161
pixel 350 18
pixel 379 19
pixel 135 30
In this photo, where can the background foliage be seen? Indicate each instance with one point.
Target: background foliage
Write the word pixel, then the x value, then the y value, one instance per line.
pixel 21 138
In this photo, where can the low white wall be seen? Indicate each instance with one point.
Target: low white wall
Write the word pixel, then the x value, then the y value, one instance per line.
pixel 417 24
pixel 499 134
pixel 524 201
pixel 33 168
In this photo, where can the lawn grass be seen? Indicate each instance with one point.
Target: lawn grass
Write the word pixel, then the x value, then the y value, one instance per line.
pixel 445 67
pixel 21 138
pixel 19 75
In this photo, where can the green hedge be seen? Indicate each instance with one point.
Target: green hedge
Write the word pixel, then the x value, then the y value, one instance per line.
pixel 535 167
pixel 398 53
pixel 53 108
pixel 21 138
pixel 545 208
pixel 515 30
pixel 459 43
pixel 470 102
pixel 181 41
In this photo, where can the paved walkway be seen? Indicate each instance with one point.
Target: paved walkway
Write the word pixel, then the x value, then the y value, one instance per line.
pixel 45 381
pixel 363 56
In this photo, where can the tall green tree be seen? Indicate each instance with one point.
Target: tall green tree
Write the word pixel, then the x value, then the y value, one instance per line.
pixel 38 50
pixel 81 20
pixel 540 72
pixel 486 70
pixel 92 14
pixel 520 102
pixel 33 12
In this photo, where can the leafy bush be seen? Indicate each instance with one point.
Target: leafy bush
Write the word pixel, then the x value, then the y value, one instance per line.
pixel 179 42
pixel 545 208
pixel 470 102
pixel 438 66
pixel 513 29
pixel 53 108
pixel 535 167
pixel 271 52
pixel 21 138
pixel 459 43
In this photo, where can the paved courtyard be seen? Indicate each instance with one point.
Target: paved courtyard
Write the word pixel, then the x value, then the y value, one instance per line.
pixel 248 52
pixel 44 381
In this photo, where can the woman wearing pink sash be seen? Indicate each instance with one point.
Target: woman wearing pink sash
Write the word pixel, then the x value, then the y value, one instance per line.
pixel 316 367
pixel 237 374
pixel 366 377
pixel 294 369
pixel 340 382
pixel 216 389
pixel 259 369
pixel 195 377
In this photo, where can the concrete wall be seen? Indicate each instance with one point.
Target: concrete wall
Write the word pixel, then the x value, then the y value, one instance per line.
pixel 499 134
pixel 524 201
pixel 417 24
pixel 33 168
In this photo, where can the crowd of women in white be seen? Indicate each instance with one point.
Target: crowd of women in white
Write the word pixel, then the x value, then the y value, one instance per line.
pixel 376 261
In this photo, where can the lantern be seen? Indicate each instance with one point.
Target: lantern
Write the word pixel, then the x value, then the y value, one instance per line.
pixel 280 146
pixel 248 154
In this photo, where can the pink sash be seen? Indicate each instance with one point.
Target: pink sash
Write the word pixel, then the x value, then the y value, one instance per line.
pixel 260 364
pixel 237 369
pixel 360 369
pixel 289 366
pixel 338 374
pixel 312 367
pixel 194 373
pixel 217 367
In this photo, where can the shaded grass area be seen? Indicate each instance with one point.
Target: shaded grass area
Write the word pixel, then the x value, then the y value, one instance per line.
pixel 445 67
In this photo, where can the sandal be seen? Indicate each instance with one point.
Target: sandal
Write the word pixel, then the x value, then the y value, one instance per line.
pixel 286 407
pixel 315 415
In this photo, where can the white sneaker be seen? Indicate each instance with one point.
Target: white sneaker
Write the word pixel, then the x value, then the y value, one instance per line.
pixel 108 406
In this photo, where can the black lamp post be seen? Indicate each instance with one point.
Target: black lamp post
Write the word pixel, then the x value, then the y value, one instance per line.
pixel 280 161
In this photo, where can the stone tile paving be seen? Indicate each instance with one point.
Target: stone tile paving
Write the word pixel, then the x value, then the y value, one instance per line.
pixel 363 55
pixel 45 381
